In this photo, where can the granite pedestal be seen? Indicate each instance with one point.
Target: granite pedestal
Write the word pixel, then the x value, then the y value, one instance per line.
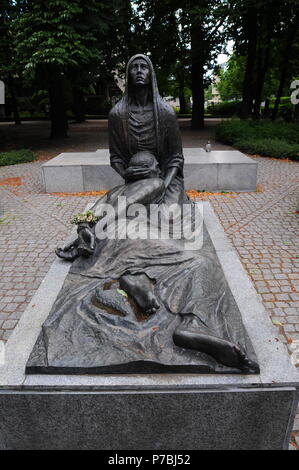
pixel 219 170
pixel 157 411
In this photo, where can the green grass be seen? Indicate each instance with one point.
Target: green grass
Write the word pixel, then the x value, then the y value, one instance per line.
pixel 16 156
pixel 278 139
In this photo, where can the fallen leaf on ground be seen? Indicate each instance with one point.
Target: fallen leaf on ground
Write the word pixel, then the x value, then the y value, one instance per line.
pixel 259 188
pixel 122 292
pixel 82 193
pixel 275 322
pixel 7 218
pixel 11 181
pixel 198 193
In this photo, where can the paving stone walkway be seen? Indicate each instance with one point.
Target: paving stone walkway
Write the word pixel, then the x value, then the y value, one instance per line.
pixel 263 227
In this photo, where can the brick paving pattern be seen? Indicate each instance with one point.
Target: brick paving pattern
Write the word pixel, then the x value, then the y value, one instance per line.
pixel 262 226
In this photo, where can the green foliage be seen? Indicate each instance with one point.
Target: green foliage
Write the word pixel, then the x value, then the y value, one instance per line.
pixel 161 31
pixel 85 41
pixel 231 79
pixel 28 115
pixel 208 92
pixel 6 42
pixel 84 217
pixel 35 105
pixel 269 148
pixel 177 34
pixel 226 109
pixel 266 138
pixel 265 34
pixel 230 130
pixel 285 108
pixel 16 156
pixel 63 47
pixel 57 33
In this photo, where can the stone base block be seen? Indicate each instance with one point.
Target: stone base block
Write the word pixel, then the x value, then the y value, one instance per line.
pixel 169 419
pixel 219 170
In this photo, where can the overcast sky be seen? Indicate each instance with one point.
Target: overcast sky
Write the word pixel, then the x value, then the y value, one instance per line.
pixel 224 57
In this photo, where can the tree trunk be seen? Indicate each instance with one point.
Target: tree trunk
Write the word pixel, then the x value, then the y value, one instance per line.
pixel 284 67
pixel 182 98
pixel 260 83
pixel 267 108
pixel 14 101
pixel 197 76
pixel 264 56
pixel 127 32
pixel 248 84
pixel 78 104
pixel 59 124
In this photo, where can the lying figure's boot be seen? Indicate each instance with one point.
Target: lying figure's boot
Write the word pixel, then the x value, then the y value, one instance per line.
pixel 69 255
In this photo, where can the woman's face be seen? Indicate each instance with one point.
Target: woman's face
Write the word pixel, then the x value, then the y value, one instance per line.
pixel 139 72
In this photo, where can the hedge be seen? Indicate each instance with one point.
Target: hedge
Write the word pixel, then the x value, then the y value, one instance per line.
pixel 16 156
pixel 269 148
pixel 227 108
pixel 278 139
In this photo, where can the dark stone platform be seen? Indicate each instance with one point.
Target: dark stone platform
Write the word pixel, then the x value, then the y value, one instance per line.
pixel 165 420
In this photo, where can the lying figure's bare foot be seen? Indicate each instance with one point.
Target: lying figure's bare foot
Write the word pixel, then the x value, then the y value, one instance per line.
pixel 140 288
pixel 223 351
pixel 68 255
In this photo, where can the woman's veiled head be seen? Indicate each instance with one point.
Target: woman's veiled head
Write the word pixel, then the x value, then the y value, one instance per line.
pixel 139 72
pixel 140 66
pixel 152 95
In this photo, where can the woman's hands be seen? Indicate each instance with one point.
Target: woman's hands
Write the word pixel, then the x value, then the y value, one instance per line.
pixel 132 173
pixel 137 173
